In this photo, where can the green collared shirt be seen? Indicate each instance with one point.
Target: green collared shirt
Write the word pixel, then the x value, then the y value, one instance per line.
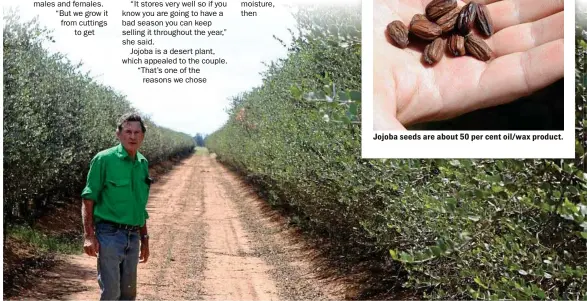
pixel 119 187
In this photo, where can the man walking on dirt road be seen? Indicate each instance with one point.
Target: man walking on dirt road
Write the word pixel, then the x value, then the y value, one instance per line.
pixel 114 211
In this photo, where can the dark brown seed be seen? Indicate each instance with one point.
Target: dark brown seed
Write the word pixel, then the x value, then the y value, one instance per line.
pixel 466 18
pixel 456 45
pixel 398 32
pixel 448 21
pixel 426 30
pixel 434 51
pixel 417 17
pixel 483 21
pixel 477 48
pixel 438 8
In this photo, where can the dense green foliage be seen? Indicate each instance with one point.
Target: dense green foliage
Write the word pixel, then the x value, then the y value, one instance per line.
pixel 55 120
pixel 457 228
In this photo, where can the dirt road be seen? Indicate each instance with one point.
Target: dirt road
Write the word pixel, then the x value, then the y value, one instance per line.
pixel 211 239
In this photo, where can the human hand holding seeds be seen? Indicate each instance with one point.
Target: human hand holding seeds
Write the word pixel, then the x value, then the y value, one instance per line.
pixel 415 82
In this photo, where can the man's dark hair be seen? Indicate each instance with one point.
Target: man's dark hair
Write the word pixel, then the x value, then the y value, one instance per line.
pixel 131 117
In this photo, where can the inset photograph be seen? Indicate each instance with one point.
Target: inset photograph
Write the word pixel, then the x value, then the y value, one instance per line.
pixel 468 65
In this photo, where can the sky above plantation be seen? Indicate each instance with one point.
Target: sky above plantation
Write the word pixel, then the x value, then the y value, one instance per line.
pixel 189 108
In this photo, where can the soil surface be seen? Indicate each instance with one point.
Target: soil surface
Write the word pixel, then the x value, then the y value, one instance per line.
pixel 211 238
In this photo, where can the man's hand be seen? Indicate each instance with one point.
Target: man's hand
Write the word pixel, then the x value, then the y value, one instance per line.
pixel 528 56
pixel 91 246
pixel 144 256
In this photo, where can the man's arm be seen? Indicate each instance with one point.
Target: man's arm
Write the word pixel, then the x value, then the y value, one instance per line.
pixel 144 230
pixel 91 245
pixel 88 217
pixel 144 256
pixel 90 194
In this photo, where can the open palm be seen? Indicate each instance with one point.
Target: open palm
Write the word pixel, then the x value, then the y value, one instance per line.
pixel 528 54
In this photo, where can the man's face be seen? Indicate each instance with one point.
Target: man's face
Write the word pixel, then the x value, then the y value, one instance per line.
pixel 131 137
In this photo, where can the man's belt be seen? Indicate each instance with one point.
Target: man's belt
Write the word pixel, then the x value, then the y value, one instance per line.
pixel 122 226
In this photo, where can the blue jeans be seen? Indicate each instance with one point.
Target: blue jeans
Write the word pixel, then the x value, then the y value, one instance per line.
pixel 117 262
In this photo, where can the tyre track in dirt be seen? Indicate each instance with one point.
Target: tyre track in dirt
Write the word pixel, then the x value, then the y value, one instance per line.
pixel 231 273
pixel 177 234
pixel 296 277
pixel 211 239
